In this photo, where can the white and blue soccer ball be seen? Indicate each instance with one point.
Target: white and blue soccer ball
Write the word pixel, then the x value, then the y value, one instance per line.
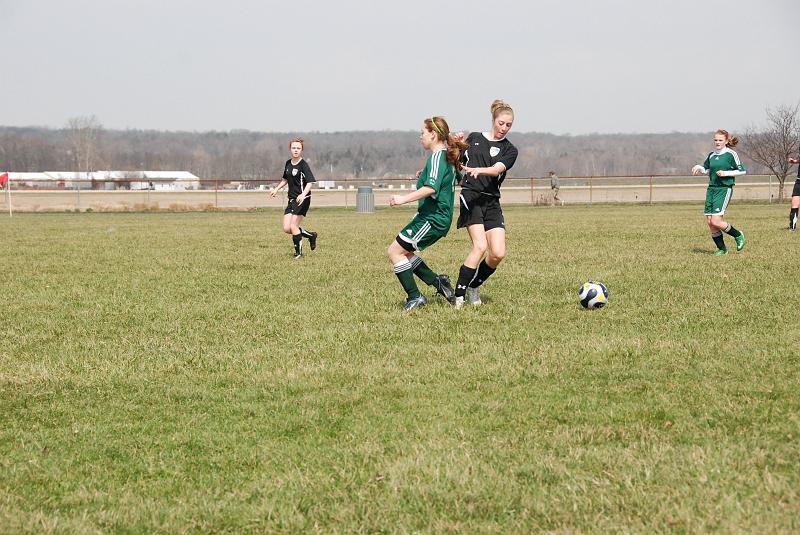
pixel 593 294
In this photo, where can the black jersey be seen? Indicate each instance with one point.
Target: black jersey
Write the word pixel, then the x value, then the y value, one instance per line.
pixel 485 152
pixel 297 176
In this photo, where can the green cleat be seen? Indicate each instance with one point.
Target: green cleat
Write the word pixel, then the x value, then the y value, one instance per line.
pixel 720 252
pixel 739 241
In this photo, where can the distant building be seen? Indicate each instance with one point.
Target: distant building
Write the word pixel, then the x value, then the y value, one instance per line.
pixel 108 180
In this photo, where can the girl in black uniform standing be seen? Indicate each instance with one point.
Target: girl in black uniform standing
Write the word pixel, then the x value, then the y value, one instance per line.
pixel 298 175
pixel 485 164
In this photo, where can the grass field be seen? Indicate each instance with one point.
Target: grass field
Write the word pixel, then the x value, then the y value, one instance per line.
pixel 176 373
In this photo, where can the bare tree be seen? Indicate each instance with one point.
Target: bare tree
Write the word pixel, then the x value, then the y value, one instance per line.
pixel 83 133
pixel 773 145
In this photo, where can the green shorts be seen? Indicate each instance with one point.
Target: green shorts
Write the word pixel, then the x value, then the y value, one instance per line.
pixel 717 199
pixel 419 234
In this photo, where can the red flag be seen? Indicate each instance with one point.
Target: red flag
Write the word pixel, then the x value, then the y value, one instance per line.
pixel 3 180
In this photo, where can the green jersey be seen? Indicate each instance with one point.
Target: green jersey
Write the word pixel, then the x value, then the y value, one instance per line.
pixel 440 175
pixel 726 161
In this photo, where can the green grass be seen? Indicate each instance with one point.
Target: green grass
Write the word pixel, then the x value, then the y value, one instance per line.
pixel 174 373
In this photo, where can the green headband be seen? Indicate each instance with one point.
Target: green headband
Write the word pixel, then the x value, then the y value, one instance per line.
pixel 437 127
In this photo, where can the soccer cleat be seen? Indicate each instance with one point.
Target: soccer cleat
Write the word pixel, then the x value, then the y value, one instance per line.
pixel 444 288
pixel 312 240
pixel 739 241
pixel 473 298
pixel 298 256
pixel 720 252
pixel 458 303
pixel 416 302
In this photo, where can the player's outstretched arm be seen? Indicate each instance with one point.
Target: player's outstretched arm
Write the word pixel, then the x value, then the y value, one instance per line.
pixel 495 170
pixel 421 193
pixel 275 191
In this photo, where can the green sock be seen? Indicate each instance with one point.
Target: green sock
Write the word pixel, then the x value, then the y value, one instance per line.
pixel 405 273
pixel 422 271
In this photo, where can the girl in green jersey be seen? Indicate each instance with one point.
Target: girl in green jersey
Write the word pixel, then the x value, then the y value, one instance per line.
pixel 434 196
pixel 723 166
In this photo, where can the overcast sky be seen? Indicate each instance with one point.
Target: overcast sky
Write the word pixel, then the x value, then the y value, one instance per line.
pixel 576 66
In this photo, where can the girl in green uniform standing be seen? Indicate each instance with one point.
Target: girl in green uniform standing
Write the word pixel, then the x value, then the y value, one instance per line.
pixel 723 166
pixel 434 195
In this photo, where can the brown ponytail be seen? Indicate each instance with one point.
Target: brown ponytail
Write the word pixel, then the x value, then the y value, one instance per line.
pixel 454 146
pixel 729 141
pixel 498 107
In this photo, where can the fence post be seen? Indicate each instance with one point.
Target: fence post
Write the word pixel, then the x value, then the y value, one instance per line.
pixel 590 190
pixel 216 195
pixel 531 190
pixel 651 190
pixel 770 189
pixel 8 196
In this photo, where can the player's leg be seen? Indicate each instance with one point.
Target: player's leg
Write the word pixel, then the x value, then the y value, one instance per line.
pixel 726 227
pixel 288 217
pixel 399 258
pixel 495 232
pixel 466 273
pixel 297 238
pixel 309 235
pixel 712 209
pixel 400 251
pixel 795 206
pixel 495 253
pixel 287 223
pixel 439 281
pixel 716 235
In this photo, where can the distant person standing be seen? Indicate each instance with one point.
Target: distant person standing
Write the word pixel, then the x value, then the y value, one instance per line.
pixel 795 197
pixel 723 166
pixel 298 175
pixel 554 185
pixel 489 156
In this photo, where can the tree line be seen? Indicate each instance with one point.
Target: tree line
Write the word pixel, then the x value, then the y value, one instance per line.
pixel 84 145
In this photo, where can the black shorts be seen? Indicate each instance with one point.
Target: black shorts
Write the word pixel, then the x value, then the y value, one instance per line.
pixel 477 209
pixel 796 189
pixel 293 209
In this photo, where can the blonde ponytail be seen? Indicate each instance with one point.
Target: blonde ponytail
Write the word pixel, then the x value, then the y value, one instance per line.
pixel 498 106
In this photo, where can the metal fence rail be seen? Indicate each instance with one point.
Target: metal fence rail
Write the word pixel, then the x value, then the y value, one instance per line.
pixel 242 194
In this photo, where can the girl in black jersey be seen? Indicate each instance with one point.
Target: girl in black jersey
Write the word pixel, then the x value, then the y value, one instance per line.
pixel 795 197
pixel 485 164
pixel 298 175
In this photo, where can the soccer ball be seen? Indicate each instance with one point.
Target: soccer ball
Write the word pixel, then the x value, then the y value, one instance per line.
pixel 593 294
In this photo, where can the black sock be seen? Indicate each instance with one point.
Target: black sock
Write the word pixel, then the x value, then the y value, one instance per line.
pixel 304 233
pixel 719 240
pixel 465 276
pixel 298 243
pixel 732 231
pixel 793 219
pixel 484 272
